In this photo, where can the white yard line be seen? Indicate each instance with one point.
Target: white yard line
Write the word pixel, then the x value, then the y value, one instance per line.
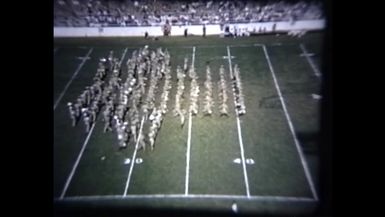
pixel 188 155
pixel 239 131
pixel 79 157
pixel 292 130
pixel 310 61
pixel 193 57
pixel 72 78
pixel 192 196
pixel 189 139
pixel 121 60
pixel 133 159
pixel 76 162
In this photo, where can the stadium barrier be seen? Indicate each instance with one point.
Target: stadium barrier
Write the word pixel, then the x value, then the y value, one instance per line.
pixel 307 25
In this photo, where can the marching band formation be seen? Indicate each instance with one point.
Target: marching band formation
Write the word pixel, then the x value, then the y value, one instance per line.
pixel 135 100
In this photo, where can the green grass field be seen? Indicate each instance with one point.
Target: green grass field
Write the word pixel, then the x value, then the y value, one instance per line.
pixel 277 181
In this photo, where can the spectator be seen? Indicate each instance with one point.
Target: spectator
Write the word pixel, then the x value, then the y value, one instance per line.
pixel 204 30
pixel 146 12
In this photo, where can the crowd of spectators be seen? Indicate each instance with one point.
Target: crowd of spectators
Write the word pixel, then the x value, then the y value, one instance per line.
pixel 101 13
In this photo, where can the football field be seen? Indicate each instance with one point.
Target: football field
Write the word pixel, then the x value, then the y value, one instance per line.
pixel 264 161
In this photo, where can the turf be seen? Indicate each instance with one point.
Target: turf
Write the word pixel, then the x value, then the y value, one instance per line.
pixel 266 136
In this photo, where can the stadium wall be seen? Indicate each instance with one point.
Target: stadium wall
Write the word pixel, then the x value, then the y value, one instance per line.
pixel 179 30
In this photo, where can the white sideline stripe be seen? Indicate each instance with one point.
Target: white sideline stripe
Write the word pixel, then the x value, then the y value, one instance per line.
pixel 215 46
pixel 189 47
pixel 72 78
pixel 133 160
pixel 239 45
pixel 192 196
pixel 310 61
pixel 109 47
pixel 242 45
pixel 76 162
pixel 292 130
pixel 189 140
pixel 239 132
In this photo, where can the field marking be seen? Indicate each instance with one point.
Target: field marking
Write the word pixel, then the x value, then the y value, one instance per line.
pixel 291 126
pixel 276 44
pixel 310 61
pixel 133 159
pixel 239 131
pixel 78 158
pixel 188 156
pixel 189 139
pixel 200 46
pixel 107 47
pixel 121 60
pixel 214 46
pixel 72 78
pixel 82 58
pixel 191 196
pixel 76 162
pixel 193 57
pixel 187 46
pixel 242 45
pixel 184 47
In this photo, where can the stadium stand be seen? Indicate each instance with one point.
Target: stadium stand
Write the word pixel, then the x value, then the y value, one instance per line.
pixel 121 13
